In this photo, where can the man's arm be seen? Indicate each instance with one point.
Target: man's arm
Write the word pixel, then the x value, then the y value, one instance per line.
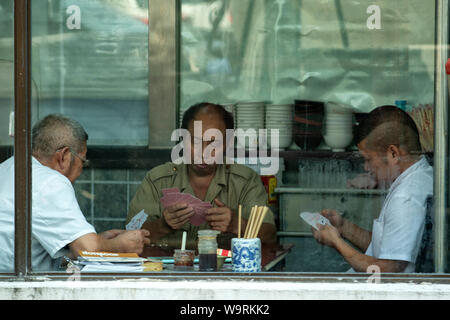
pixel 158 228
pixel 361 238
pixel 127 241
pixel 148 199
pixel 329 236
pixel 361 262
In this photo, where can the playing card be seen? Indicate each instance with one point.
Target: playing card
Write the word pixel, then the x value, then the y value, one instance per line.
pixel 172 196
pixel 197 219
pixel 137 221
pixel 313 219
pixel 170 199
pixel 170 190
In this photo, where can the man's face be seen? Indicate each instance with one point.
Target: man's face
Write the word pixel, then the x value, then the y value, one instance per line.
pixel 214 148
pixel 380 165
pixel 76 167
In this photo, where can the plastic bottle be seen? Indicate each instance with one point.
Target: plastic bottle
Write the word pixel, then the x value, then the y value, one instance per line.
pixel 207 250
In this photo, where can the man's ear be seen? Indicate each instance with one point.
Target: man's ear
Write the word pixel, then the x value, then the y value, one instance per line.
pixel 393 153
pixel 61 160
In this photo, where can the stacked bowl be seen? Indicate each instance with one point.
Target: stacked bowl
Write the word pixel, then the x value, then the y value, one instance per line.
pixel 249 115
pixel 279 117
pixel 308 118
pixel 338 131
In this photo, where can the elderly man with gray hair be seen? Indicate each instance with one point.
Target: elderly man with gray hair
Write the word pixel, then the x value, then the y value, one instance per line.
pixel 58 225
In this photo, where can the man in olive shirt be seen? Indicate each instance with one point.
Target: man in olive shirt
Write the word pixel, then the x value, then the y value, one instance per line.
pixel 224 186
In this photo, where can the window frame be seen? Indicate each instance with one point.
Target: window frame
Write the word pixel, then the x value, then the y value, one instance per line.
pixel 22 152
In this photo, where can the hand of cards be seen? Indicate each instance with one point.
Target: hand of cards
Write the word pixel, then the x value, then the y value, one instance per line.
pixel 173 196
pixel 313 219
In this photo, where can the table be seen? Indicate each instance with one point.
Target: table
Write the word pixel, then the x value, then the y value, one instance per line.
pixel 271 255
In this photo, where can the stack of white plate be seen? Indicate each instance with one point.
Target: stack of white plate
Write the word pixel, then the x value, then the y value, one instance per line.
pixel 249 115
pixel 280 117
pixel 338 133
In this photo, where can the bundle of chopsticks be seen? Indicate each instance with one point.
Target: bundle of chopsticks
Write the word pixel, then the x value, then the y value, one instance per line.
pixel 254 222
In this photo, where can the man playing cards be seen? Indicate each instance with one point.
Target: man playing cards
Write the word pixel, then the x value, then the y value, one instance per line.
pixel 202 194
pixel 389 142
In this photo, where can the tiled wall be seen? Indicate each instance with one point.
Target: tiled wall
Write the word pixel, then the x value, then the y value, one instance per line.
pixel 104 195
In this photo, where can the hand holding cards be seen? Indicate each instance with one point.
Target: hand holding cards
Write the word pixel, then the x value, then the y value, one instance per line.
pixel 313 219
pixel 173 196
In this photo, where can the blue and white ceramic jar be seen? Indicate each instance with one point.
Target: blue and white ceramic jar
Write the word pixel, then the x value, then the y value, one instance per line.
pixel 246 255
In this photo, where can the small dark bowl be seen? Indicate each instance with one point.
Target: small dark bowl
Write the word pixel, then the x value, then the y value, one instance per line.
pixel 310 106
pixel 307 140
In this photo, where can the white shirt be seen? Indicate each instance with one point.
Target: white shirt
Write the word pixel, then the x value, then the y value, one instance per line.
pixel 56 217
pixel 397 232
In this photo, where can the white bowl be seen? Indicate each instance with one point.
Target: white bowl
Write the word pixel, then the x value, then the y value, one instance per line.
pixel 338 141
pixel 332 107
pixel 336 132
pixel 289 112
pixel 280 125
pixel 279 122
pixel 250 117
pixel 284 141
pixel 338 123
pixel 332 123
pixel 279 114
pixel 287 128
pixel 347 119
pixel 250 114
pixel 250 120
pixel 288 116
pixel 338 127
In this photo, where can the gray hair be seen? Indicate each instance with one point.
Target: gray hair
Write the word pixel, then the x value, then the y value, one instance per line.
pixel 56 131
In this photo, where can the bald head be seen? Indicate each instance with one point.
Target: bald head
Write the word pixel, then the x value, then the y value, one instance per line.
pixel 207 109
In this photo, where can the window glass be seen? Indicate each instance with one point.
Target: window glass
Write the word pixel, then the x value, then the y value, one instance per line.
pixel 6 134
pixel 309 72
pixel 90 62
pixel 314 70
pixel 7 70
pixel 90 78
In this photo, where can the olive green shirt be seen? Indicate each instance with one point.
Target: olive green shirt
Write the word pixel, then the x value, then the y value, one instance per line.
pixel 233 185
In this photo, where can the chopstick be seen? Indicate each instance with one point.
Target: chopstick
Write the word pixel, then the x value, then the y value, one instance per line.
pixel 255 221
pixel 239 221
pixel 260 220
pixel 250 222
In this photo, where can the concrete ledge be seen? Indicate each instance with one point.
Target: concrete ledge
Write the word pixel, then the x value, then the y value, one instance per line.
pixel 144 289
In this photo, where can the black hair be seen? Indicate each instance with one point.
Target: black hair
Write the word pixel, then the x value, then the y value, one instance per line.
pixel 405 125
pixel 193 110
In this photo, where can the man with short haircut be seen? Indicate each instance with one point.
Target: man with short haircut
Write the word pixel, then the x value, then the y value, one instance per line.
pixel 389 142
pixel 225 186
pixel 58 225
